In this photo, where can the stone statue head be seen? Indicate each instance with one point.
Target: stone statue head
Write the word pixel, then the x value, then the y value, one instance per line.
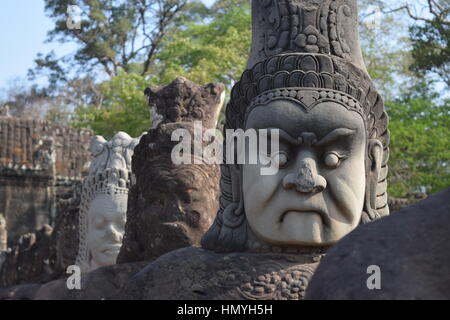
pixel 104 200
pixel 171 206
pixel 305 79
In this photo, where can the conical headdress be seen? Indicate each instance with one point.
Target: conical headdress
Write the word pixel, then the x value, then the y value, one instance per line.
pixel 307 51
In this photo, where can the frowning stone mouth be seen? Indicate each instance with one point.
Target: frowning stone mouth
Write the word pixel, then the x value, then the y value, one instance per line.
pixel 112 249
pixel 323 215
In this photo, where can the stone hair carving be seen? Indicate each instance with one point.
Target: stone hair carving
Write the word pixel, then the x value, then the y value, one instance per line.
pixel 311 26
pixel 109 176
pixel 307 52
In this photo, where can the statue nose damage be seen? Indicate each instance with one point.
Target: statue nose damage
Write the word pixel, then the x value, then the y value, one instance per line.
pixel 306 179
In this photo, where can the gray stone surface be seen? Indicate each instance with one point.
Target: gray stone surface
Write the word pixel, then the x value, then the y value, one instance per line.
pixel 198 274
pixel 101 284
pixel 411 247
pixel 29 260
pixel 44 255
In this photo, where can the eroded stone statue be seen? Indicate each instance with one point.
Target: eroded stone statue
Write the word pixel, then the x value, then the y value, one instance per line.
pixel 104 201
pixel 172 206
pixel 306 78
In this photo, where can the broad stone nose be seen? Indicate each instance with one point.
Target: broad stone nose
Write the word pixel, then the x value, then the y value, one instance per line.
pixel 113 234
pixel 306 179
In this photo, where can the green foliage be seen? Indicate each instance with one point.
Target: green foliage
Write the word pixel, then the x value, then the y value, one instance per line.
pixel 386 49
pixel 420 133
pixel 115 35
pixel 124 107
pixel 431 49
pixel 215 51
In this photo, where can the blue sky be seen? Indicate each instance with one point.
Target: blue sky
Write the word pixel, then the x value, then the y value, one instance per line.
pixel 23 30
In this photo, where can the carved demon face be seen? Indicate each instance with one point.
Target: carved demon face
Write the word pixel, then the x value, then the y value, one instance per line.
pixel 317 196
pixel 106 224
pixel 181 208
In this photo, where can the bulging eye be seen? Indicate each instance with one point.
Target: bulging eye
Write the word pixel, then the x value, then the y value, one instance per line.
pixel 280 159
pixel 332 160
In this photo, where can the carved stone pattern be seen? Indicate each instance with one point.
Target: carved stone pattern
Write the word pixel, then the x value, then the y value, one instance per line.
pixel 237 276
pixel 22 141
pixel 307 98
pixel 309 27
pixel 278 283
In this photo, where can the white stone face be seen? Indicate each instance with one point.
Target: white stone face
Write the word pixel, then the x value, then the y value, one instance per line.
pixel 106 227
pixel 3 234
pixel 317 195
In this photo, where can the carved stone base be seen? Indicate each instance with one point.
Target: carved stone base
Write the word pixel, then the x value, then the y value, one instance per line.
pixel 187 274
pixel 197 274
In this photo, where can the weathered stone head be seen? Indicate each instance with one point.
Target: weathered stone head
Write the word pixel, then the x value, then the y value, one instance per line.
pixel 307 79
pixel 171 205
pixel 104 201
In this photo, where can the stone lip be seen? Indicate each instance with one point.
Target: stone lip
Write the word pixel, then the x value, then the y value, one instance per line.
pixel 411 247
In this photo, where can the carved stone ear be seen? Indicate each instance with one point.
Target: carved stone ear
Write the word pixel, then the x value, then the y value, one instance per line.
pixel 375 153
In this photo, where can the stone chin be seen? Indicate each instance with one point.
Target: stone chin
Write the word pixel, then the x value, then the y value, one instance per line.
pixel 317 195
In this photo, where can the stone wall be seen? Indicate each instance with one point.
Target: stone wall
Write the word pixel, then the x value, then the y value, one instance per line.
pixel 37 159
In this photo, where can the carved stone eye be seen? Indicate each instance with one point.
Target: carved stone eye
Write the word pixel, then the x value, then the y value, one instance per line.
pixel 332 160
pixel 280 159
